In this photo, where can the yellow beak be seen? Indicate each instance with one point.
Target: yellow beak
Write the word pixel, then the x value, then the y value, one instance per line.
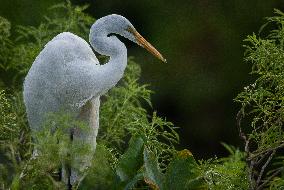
pixel 142 42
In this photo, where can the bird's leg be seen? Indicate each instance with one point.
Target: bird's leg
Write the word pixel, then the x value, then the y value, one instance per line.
pixel 66 167
pixel 66 176
pixel 86 137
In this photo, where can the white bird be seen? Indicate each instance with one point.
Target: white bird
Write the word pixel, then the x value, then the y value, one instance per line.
pixel 66 75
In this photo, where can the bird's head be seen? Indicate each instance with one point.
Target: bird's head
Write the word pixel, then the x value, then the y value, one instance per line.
pixel 122 26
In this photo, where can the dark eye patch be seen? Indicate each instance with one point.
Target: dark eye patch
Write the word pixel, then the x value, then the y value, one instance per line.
pixel 112 34
pixel 116 35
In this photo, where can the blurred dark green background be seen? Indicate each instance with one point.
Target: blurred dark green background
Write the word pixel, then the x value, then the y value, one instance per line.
pixel 202 41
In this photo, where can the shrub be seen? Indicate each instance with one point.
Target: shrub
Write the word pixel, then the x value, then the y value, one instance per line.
pixel 262 104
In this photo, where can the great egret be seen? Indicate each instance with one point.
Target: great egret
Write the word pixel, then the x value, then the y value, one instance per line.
pixel 67 75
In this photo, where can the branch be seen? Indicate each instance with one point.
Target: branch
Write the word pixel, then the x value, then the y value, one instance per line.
pixel 241 133
pixel 267 150
pixel 250 173
pixel 263 168
pixel 278 171
pixel 262 157
pixel 250 163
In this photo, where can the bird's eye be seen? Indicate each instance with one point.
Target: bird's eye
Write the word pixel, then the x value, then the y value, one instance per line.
pixel 130 29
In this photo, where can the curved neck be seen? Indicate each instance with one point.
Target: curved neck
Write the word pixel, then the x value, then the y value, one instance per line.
pixel 112 71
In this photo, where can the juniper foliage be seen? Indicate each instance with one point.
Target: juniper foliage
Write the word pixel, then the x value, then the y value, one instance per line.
pixel 262 104
pixel 226 173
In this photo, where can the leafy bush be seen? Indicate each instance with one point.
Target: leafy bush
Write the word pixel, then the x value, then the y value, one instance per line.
pixel 262 104
pixel 227 173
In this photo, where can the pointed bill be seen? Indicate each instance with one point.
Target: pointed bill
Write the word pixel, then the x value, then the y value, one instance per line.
pixel 142 42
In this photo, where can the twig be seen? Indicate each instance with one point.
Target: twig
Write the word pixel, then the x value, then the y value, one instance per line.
pixel 279 170
pixel 263 168
pixel 267 150
pixel 262 157
pixel 250 174
pixel 250 162
pixel 241 133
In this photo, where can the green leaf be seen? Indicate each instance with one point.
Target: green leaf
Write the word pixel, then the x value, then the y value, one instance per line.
pixel 131 184
pixel 101 175
pixel 130 162
pixel 152 174
pixel 16 183
pixel 184 173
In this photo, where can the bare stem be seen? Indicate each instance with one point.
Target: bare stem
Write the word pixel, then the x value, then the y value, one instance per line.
pixel 266 151
pixel 263 168
pixel 278 171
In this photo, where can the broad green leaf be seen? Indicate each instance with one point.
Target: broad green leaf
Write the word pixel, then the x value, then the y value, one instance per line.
pixel 131 184
pixel 130 162
pixel 100 173
pixel 184 173
pixel 152 174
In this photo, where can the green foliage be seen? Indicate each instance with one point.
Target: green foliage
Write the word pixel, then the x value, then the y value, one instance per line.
pixel 131 160
pixel 184 173
pixel 55 149
pixel 226 173
pixel 262 102
pixel 102 173
pixel 14 136
pixel 152 173
pixel 5 43
pixel 8 127
pixel 123 105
